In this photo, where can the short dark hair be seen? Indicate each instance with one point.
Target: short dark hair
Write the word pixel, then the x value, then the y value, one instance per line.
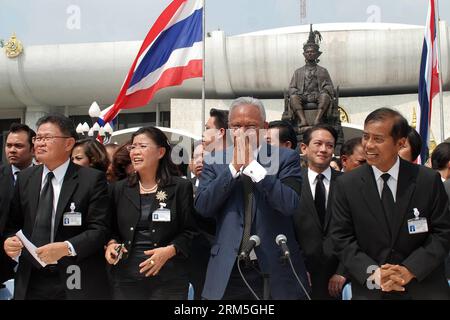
pixel 323 126
pixel 166 167
pixel 349 146
pixel 19 127
pixel 400 127
pixel 286 132
pixel 64 124
pixel 415 142
pixel 220 118
pixel 95 152
pixel 440 156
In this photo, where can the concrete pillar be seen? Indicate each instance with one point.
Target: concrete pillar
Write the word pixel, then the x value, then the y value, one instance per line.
pixel 157 115
pixel 32 114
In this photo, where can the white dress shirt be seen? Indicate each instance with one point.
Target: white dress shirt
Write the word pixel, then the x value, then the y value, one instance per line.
pixel 312 179
pixel 393 180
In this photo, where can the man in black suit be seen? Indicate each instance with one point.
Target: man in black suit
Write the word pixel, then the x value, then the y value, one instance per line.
pixel 19 153
pixel 391 220
pixel 313 215
pixel 62 208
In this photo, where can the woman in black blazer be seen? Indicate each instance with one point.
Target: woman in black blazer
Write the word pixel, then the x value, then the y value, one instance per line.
pixel 153 225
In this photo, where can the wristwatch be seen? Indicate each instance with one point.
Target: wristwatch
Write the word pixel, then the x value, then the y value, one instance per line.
pixel 69 249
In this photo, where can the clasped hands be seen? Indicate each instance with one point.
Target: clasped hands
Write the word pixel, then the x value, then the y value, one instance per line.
pixel 392 277
pixel 244 144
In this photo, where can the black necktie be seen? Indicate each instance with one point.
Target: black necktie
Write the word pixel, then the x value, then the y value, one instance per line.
pixel 248 203
pixel 43 224
pixel 319 198
pixel 387 198
pixel 15 177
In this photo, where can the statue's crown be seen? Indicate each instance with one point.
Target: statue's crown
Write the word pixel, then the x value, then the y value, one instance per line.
pixel 314 39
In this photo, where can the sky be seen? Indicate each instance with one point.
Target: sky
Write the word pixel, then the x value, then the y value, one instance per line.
pixel 38 22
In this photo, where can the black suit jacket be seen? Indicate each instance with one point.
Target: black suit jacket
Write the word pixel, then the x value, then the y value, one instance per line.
pixel 6 194
pixel 126 211
pixel 314 241
pixel 364 239
pixel 87 188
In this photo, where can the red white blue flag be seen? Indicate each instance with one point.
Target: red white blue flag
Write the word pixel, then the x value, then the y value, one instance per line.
pixel 429 79
pixel 171 53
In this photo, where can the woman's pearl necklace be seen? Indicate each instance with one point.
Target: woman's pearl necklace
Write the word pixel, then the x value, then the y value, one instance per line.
pixel 149 190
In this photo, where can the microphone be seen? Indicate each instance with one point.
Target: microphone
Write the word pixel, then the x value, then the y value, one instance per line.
pixel 255 241
pixel 281 240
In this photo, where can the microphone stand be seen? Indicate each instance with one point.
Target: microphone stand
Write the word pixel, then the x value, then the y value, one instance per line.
pixel 245 281
pixel 297 277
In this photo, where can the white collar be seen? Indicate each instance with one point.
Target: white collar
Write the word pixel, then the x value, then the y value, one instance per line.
pixel 59 172
pixel 14 169
pixel 393 171
pixel 312 174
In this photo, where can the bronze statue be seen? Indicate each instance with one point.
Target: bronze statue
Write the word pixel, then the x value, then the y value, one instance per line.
pixel 312 98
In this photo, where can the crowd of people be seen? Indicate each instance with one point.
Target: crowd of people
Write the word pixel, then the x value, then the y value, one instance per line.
pixel 257 215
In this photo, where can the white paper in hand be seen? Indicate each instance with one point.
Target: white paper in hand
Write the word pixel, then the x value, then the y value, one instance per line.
pixel 30 247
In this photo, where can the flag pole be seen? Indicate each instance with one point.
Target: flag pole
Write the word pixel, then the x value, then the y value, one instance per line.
pixel 203 66
pixel 441 97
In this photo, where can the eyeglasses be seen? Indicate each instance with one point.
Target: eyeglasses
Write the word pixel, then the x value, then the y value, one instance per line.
pixel 139 146
pixel 47 139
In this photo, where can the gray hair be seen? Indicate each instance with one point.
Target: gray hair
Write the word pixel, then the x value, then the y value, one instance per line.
pixel 250 101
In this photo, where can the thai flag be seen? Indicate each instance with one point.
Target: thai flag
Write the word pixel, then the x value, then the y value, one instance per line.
pixel 429 79
pixel 101 119
pixel 171 53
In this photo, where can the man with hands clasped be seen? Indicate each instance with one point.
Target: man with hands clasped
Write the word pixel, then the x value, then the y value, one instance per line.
pixel 391 221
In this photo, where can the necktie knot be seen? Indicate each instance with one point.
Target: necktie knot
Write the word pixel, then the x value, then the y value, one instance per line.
pixel 50 176
pixel 320 177
pixel 15 174
pixel 385 177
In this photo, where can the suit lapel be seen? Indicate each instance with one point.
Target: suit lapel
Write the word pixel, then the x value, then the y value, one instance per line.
pixel 334 175
pixel 35 191
pixel 7 172
pixel 372 198
pixel 309 200
pixel 69 185
pixel 132 194
pixel 405 188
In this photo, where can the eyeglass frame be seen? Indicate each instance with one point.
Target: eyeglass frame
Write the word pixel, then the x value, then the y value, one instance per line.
pixel 46 139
